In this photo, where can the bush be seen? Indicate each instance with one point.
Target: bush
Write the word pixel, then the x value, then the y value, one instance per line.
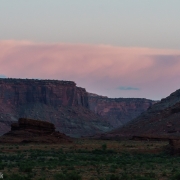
pixel 104 147
pixel 16 177
pixel 176 176
pixel 74 176
pixel 25 168
pixel 69 176
pixel 112 177
pixel 1 166
pixel 60 176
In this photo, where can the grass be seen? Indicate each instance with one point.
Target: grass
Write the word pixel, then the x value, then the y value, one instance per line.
pixel 89 160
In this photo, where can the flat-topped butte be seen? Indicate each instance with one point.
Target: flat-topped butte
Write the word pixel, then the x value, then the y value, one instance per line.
pixel 36 81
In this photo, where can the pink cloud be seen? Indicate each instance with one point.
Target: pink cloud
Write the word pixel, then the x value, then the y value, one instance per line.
pixel 98 68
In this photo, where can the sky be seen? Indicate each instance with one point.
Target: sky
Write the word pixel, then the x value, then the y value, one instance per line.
pixel 116 48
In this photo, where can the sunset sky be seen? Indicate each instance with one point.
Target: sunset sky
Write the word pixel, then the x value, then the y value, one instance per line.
pixel 116 48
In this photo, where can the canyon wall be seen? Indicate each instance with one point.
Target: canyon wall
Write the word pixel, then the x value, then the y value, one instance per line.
pixel 72 109
pixel 59 102
pixel 160 120
pixel 51 92
pixel 118 111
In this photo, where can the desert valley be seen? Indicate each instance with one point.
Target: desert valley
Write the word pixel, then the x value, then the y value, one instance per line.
pixel 53 129
pixel 89 90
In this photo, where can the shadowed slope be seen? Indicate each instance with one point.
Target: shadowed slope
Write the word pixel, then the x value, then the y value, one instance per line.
pixel 161 119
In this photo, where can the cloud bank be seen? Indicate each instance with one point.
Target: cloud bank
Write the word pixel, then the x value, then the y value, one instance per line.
pixel 98 68
pixel 128 88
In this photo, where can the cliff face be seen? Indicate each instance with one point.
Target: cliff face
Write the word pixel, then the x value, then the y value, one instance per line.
pixel 73 111
pixel 50 92
pixel 60 102
pixel 161 119
pixel 118 111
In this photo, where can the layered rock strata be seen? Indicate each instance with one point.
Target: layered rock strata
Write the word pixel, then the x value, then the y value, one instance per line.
pixel 59 102
pixel 73 111
pixel 118 111
pixel 51 92
pixel 33 131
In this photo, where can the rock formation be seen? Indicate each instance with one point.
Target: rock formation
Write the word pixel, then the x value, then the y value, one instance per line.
pixel 160 120
pixel 36 126
pixel 60 102
pixel 51 92
pixel 73 111
pixel 118 111
pixel 33 131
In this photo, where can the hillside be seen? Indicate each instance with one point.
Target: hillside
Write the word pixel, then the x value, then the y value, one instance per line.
pixel 161 119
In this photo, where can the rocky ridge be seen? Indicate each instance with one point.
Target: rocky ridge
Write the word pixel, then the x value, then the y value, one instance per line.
pixel 72 109
pixel 118 111
pixel 160 120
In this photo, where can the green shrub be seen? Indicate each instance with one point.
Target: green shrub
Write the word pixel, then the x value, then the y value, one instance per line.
pixel 69 176
pixel 113 168
pixel 113 177
pixel 2 165
pixel 25 168
pixel 60 176
pixel 74 176
pixel 104 147
pixel 176 176
pixel 16 177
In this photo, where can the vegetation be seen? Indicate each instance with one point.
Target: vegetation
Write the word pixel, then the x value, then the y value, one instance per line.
pixel 89 160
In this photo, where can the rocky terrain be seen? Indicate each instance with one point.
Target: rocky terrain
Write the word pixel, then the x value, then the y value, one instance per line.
pixel 72 109
pixel 160 121
pixel 118 111
pixel 33 131
pixel 59 102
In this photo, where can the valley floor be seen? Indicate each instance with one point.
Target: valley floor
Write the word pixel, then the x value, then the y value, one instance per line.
pixel 89 160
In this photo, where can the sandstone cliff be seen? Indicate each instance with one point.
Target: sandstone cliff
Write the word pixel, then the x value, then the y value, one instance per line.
pixel 73 111
pixel 60 102
pixel 51 92
pixel 118 111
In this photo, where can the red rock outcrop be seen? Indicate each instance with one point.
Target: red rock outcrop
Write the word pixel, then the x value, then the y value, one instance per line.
pixel 33 131
pixel 33 126
pixel 118 111
pixel 73 111
pixel 51 92
pixel 60 102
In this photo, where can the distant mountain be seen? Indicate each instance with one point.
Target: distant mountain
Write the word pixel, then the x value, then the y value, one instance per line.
pixel 161 119
pixel 74 111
